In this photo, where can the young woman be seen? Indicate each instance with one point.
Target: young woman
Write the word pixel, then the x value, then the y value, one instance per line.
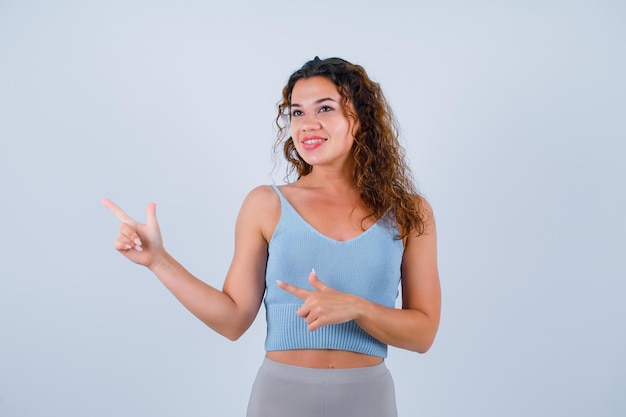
pixel 326 253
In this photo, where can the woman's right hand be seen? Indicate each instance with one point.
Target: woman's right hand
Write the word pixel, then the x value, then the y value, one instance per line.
pixel 141 243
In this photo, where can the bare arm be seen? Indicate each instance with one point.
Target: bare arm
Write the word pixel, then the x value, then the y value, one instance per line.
pixel 229 311
pixel 413 327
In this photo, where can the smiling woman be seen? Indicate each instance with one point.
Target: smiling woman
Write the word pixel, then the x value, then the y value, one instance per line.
pixel 352 214
pixel 321 132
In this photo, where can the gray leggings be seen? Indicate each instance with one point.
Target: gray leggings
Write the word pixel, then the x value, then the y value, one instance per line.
pixel 289 391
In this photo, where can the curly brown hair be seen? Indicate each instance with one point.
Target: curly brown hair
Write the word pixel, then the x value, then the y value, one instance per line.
pixel 380 171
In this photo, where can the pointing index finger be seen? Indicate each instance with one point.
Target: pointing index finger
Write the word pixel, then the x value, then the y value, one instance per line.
pixel 118 212
pixel 292 289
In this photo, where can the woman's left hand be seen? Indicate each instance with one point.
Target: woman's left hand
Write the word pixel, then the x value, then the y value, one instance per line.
pixel 324 305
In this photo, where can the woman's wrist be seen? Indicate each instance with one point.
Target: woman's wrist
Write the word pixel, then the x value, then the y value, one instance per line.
pixel 161 261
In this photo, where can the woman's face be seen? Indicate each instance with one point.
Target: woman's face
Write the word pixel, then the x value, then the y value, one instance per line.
pixel 322 133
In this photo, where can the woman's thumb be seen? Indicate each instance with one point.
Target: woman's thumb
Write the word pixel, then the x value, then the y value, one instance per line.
pixel 151 214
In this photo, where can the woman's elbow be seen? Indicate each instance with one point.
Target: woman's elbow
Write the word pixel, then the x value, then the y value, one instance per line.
pixel 423 347
pixel 424 343
pixel 229 330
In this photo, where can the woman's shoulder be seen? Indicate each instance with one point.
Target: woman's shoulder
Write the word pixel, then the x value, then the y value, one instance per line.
pixel 261 207
pixel 262 192
pixel 261 201
pixel 262 197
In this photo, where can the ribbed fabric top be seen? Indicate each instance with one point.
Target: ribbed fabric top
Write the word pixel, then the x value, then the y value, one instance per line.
pixel 367 265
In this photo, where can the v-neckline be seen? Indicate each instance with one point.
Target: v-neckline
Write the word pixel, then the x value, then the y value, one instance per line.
pixel 303 220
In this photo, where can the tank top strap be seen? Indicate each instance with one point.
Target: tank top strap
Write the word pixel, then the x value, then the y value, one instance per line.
pixel 288 212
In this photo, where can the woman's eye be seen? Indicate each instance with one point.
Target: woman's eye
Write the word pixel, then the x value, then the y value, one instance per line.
pixel 296 113
pixel 325 109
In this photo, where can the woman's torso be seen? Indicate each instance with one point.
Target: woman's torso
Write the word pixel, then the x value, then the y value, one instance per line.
pixel 341 216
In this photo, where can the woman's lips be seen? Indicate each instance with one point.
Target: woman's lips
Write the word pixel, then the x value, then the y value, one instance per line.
pixel 312 142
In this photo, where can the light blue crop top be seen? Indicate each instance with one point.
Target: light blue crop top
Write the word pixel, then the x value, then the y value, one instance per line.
pixel 367 265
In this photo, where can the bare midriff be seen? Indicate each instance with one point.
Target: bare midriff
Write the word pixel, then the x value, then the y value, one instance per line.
pixel 323 358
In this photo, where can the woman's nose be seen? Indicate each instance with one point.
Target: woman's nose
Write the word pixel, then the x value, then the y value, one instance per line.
pixel 310 122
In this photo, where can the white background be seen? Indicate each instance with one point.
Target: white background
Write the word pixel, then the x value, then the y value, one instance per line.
pixel 512 114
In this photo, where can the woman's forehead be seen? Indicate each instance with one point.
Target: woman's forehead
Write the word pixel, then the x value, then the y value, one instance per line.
pixel 313 89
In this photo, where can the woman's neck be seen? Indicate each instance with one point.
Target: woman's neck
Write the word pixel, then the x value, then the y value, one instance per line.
pixel 339 181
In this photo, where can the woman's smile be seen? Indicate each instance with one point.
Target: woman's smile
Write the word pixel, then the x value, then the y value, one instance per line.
pixel 321 131
pixel 312 142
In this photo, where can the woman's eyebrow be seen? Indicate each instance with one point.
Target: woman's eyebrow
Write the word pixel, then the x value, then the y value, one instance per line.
pixel 315 102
